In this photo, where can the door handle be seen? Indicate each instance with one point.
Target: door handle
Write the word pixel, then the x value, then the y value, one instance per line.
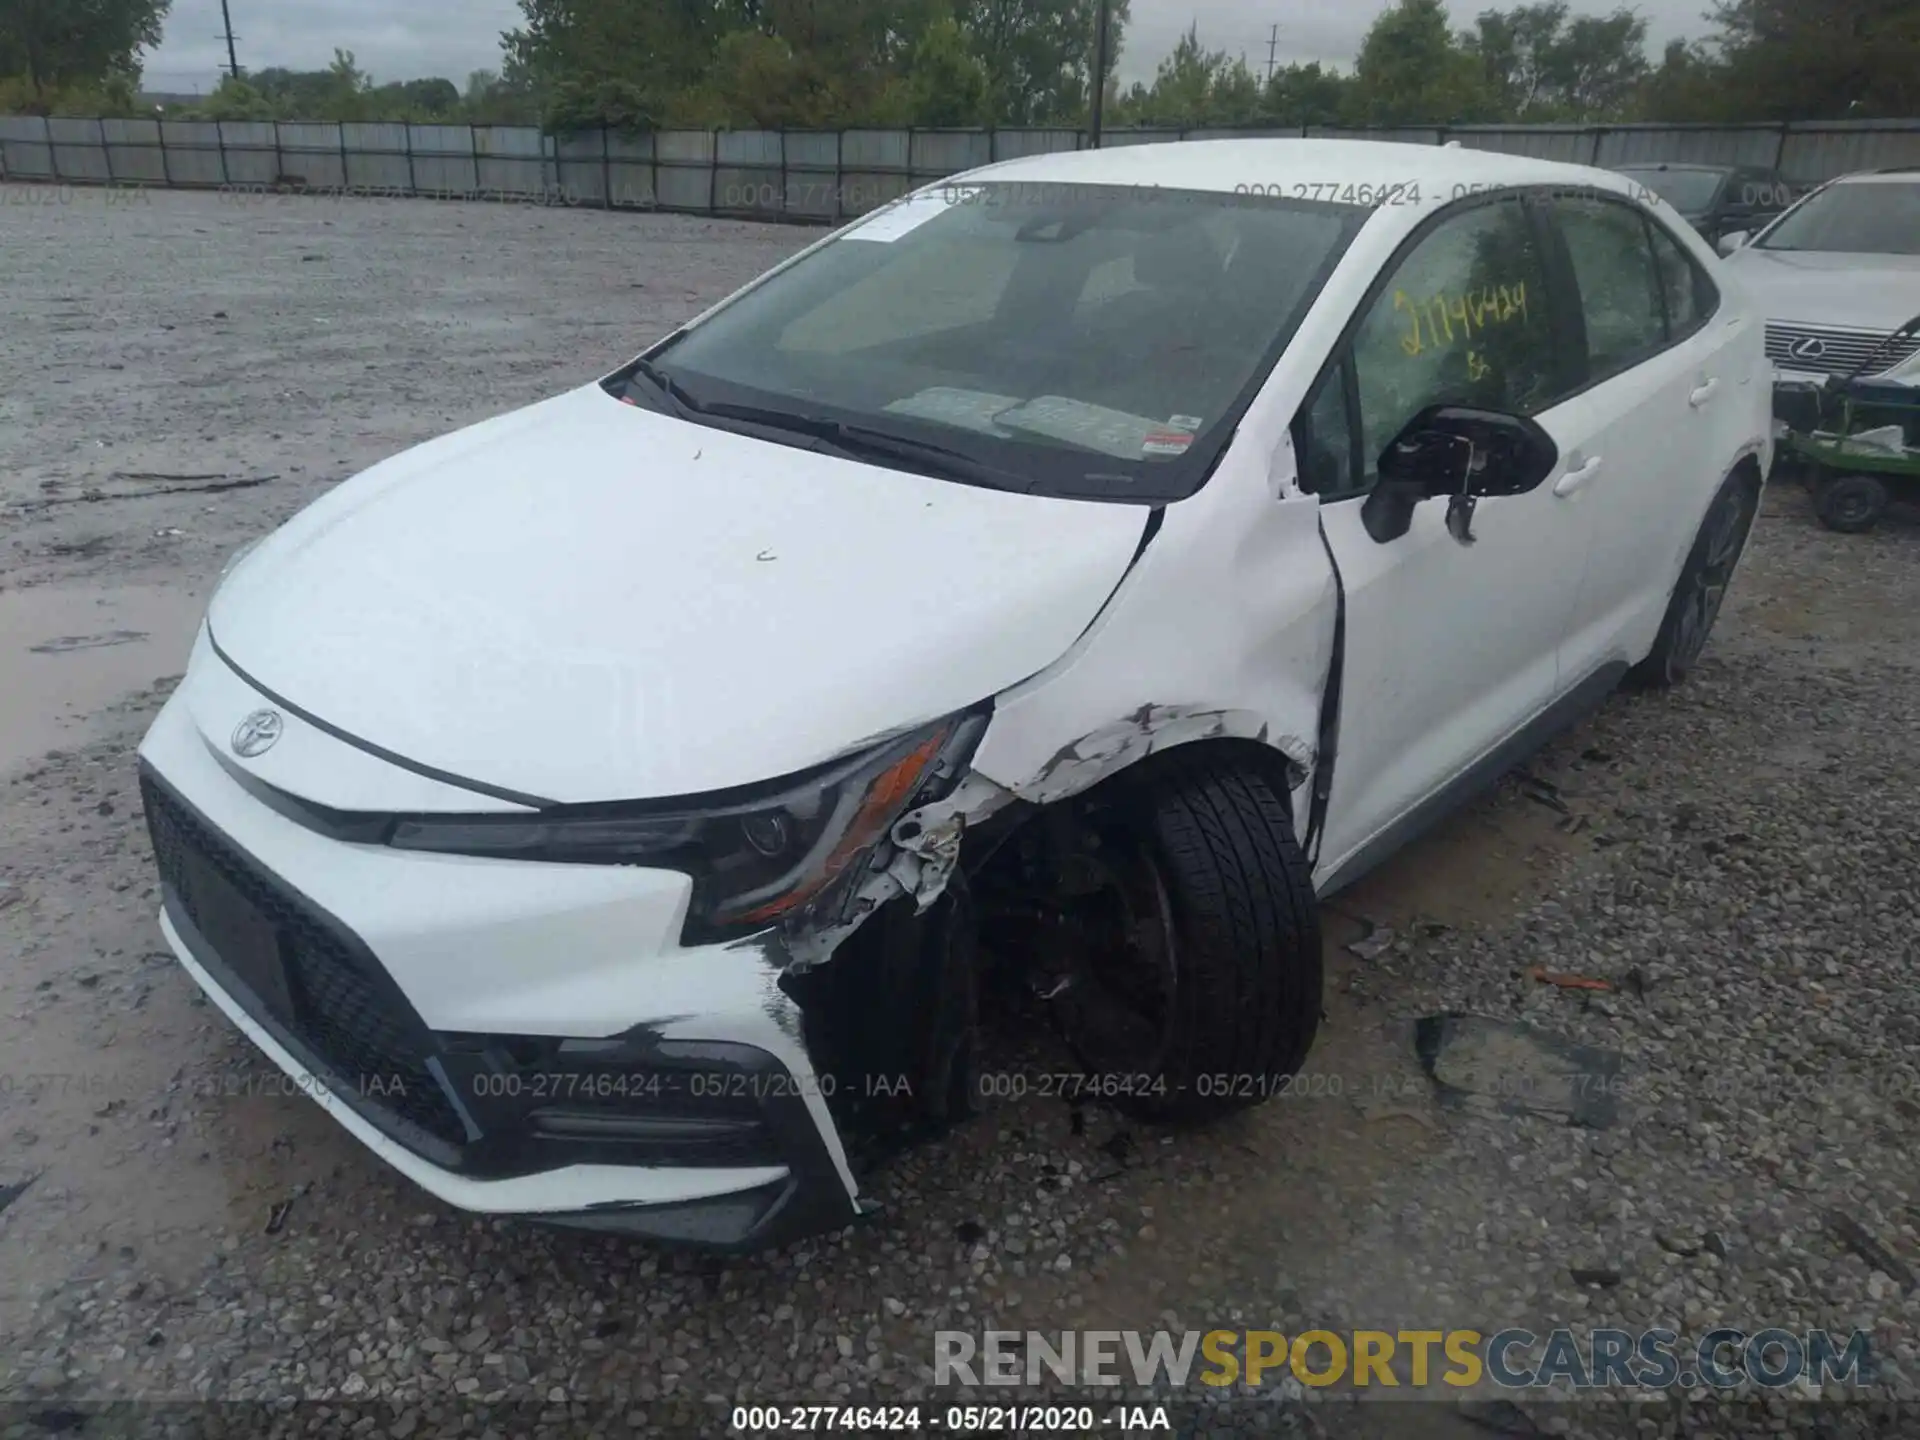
pixel 1574 479
pixel 1700 394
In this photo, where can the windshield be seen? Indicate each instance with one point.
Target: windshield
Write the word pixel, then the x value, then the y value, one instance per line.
pixel 1061 339
pixel 1688 191
pixel 1869 217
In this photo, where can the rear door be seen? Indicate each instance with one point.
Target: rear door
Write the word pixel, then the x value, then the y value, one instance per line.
pixel 1651 340
pixel 1449 648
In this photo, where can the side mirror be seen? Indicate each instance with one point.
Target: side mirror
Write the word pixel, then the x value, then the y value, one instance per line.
pixel 1732 241
pixel 1456 451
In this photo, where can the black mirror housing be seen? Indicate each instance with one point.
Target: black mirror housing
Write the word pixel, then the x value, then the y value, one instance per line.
pixel 1455 450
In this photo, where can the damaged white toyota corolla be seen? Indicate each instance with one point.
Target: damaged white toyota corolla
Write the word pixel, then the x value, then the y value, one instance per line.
pixel 612 811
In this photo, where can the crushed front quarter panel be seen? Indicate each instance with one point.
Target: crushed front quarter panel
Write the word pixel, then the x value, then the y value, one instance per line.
pixel 1223 629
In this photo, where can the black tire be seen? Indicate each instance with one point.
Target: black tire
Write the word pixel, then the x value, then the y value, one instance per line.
pixel 1702 585
pixel 1245 925
pixel 1851 502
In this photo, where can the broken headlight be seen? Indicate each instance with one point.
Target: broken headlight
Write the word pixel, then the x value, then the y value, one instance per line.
pixel 753 859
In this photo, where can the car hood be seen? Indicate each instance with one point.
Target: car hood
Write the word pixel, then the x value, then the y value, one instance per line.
pixel 587 601
pixel 1864 292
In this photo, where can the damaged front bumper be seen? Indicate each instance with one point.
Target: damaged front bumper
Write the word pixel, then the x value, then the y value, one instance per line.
pixel 518 1039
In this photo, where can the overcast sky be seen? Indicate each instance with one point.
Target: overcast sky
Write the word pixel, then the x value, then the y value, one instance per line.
pixel 455 37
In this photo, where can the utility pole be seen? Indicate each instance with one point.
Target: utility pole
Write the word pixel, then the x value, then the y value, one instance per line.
pixel 233 58
pixel 1273 45
pixel 1099 71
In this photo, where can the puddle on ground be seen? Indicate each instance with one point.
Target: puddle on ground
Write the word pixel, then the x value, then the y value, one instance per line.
pixel 68 651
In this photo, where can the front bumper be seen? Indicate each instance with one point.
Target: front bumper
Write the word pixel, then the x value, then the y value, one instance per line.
pixel 516 1038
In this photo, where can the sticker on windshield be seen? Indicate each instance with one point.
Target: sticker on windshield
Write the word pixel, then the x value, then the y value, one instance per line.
pixel 1092 427
pixel 1185 422
pixel 904 216
pixel 1166 442
pixel 967 409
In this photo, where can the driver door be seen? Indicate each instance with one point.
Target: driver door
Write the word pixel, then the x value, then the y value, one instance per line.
pixel 1449 648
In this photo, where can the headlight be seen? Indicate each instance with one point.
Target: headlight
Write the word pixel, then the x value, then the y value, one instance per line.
pixel 755 856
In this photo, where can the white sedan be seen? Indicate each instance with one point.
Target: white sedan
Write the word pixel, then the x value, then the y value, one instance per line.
pixel 1069 575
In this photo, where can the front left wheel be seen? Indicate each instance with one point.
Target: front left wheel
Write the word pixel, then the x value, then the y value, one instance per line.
pixel 1197 990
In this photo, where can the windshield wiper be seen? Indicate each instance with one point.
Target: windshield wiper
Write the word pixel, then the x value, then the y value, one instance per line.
pixel 858 442
pixel 663 387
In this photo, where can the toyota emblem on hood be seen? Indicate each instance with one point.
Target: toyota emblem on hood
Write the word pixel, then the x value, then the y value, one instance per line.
pixel 1807 347
pixel 255 734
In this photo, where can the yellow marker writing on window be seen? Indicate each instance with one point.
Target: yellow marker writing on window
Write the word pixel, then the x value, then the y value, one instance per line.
pixel 1445 319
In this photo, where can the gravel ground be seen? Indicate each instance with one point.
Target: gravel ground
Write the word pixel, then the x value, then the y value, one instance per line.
pixel 1735 859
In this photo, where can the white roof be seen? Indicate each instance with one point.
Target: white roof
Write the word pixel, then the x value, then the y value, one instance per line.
pixel 1310 169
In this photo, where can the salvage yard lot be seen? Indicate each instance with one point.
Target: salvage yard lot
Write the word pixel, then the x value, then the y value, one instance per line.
pixel 1735 860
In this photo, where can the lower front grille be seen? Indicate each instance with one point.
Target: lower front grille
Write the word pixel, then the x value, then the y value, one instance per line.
pixel 1833 350
pixel 341 1016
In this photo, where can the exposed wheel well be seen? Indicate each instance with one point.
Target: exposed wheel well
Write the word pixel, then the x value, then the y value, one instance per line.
pixel 1264 760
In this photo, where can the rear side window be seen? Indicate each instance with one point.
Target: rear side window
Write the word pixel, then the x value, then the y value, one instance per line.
pixel 1690 296
pixel 1620 287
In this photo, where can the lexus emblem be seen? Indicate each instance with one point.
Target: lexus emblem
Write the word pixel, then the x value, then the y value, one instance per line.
pixel 255 734
pixel 1807 347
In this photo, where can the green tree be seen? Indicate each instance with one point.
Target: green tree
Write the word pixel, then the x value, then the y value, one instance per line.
pixel 1306 95
pixel 618 60
pixel 945 82
pixel 1193 87
pixel 1539 66
pixel 1820 59
pixel 1411 71
pixel 1688 86
pixel 490 100
pixel 236 99
pixel 1038 54
pixel 56 43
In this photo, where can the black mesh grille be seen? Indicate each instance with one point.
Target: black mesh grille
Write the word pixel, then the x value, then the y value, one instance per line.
pixel 356 1035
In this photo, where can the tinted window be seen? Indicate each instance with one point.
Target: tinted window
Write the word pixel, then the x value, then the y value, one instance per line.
pixel 1688 191
pixel 1068 339
pixel 1690 295
pixel 1619 287
pixel 1863 217
pixel 1760 190
pixel 1463 319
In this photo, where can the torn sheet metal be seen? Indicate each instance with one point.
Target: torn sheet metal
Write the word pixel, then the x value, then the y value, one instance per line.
pixel 1127 741
pixel 1242 657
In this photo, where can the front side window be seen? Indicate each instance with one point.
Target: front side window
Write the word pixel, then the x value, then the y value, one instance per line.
pixel 1324 439
pixel 1860 217
pixel 1063 339
pixel 1613 268
pixel 1463 319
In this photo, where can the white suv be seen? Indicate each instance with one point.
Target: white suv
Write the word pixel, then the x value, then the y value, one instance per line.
pixel 1082 567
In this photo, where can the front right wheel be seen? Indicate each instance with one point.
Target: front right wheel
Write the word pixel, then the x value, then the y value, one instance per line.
pixel 1702 585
